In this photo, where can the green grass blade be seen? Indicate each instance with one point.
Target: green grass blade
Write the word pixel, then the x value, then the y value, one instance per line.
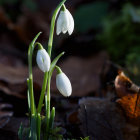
pixel 54 62
pixel 38 126
pixel 33 128
pixel 52 116
pixel 20 132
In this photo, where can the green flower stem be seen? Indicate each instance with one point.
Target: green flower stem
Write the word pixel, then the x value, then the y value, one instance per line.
pixel 46 134
pixel 49 52
pixel 50 42
pixel 42 92
pixel 45 78
pixel 38 126
pixel 63 7
pixel 33 127
pixel 43 86
pixel 58 70
pixel 30 81
pixel 52 26
pixel 31 92
pixel 39 45
pixel 28 97
pixel 48 106
pixel 52 118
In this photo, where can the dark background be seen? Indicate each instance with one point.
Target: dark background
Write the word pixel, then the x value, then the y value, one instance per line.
pixel 106 38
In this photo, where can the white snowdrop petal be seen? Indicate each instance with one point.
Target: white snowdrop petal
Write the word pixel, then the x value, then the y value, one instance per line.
pixel 59 24
pixel 46 59
pixel 71 22
pixel 64 30
pixel 63 84
pixel 61 20
pixel 58 30
pixel 43 60
pixel 62 23
pixel 40 62
pixel 65 22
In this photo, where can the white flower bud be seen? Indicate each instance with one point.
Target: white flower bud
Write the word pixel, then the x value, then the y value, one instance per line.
pixel 63 84
pixel 65 23
pixel 43 60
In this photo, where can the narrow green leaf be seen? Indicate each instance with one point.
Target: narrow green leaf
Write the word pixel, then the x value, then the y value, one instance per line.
pixel 27 133
pixel 52 118
pixel 45 102
pixel 29 104
pixel 33 128
pixel 45 134
pixel 28 96
pixel 34 40
pixel 38 126
pixel 20 132
pixel 55 61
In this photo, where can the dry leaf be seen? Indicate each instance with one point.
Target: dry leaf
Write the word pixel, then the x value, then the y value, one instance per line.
pixel 5 115
pixel 101 119
pixel 128 104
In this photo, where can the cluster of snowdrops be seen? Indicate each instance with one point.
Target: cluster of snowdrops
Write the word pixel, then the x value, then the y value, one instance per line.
pixel 41 126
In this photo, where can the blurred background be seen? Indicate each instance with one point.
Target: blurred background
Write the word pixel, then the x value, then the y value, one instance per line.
pixel 106 38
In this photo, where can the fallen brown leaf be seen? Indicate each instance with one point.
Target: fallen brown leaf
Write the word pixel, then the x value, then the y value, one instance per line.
pixel 100 119
pixel 128 104
pixel 5 115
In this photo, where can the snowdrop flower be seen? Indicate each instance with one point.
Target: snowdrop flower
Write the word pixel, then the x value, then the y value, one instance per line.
pixel 63 83
pixel 43 60
pixel 65 22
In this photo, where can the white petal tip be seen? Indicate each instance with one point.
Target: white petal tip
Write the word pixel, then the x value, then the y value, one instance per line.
pixel 70 32
pixel 58 33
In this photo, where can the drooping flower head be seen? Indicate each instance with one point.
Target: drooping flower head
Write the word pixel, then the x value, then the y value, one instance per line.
pixel 63 83
pixel 65 22
pixel 43 60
